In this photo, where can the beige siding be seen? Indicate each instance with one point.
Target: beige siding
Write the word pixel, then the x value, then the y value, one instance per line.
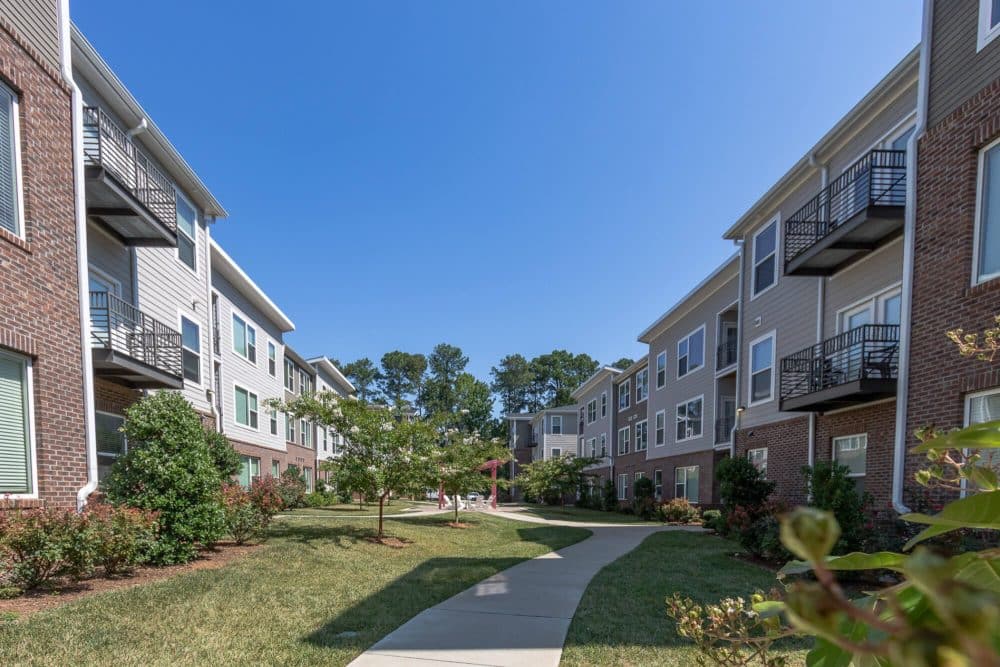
pixel 900 113
pixel 37 21
pixel 861 281
pixel 111 257
pixel 956 71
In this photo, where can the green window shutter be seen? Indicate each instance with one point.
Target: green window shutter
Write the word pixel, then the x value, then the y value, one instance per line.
pixel 15 465
pixel 8 176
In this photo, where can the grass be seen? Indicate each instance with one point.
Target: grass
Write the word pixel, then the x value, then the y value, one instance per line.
pixel 580 514
pixel 353 509
pixel 318 593
pixel 622 617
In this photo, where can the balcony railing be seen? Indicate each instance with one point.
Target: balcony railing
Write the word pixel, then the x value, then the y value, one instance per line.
pixel 120 327
pixel 876 180
pixel 856 366
pixel 724 429
pixel 109 146
pixel 725 355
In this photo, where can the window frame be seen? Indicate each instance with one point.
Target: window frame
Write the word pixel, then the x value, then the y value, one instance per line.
pixel 272 359
pixel 289 429
pixel 967 409
pixel 288 380
pixel 642 385
pixel 776 221
pixel 834 448
pixel 604 404
pixel 552 425
pixel 247 328
pixel 592 444
pixel 772 335
pixel 31 451
pixel 272 419
pixel 624 440
pixel 701 430
pixel 627 394
pixel 986 32
pixel 251 413
pixel 604 445
pixel 660 428
pixel 750 457
pixel 592 403
pixel 555 452
pixel 622 486
pixel 184 348
pixel 124 439
pixel 305 435
pixel 661 373
pixel 686 470
pixel 658 483
pixel 16 163
pixel 643 428
pixel 979 210
pixel 194 241
pixel 687 355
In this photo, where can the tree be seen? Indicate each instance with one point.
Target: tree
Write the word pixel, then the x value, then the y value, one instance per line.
pixel 551 480
pixel 384 452
pixel 557 374
pixel 364 375
pixel 623 363
pixel 474 405
pixel 445 363
pixel 512 380
pixel 402 376
pixel 459 464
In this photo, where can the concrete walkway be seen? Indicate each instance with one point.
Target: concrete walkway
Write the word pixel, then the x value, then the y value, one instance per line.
pixel 518 617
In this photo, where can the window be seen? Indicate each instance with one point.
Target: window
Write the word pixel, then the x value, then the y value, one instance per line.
pixel 982 408
pixel 274 422
pixel 110 441
pixel 289 375
pixel 10 169
pixel 989 22
pixel 593 448
pixel 604 444
pixel 604 404
pixel 689 419
pixel 289 428
pixel 624 395
pixel 191 350
pixel 642 385
pixel 275 468
pixel 244 339
pixel 324 439
pixel 307 472
pixel 556 452
pixel 556 423
pixel 305 382
pixel 272 359
pixel 642 436
pixel 305 433
pixel 622 486
pixel 762 369
pixel 249 470
pixel 581 448
pixel 658 484
pixel 660 428
pixel 691 352
pixel 852 451
pixel 758 457
pixel 624 434
pixel 187 221
pixel 592 411
pixel 987 240
pixel 765 258
pixel 246 407
pixel 686 483
pixel 661 370
pixel 16 473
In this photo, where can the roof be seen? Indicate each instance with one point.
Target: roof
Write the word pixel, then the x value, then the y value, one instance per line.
pixel 902 76
pixel 231 271
pixel 643 361
pixel 725 272
pixel 107 84
pixel 515 416
pixel 331 368
pixel 299 360
pixel 598 375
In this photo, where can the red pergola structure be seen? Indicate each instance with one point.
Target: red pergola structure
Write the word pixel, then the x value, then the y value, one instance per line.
pixel 489 465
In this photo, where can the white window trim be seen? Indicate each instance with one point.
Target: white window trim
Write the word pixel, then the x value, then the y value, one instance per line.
pixel 968 402
pixel 637 385
pixel 624 437
pixel 15 112
pixel 246 427
pixel 636 439
pixel 772 334
pixel 622 486
pixel 700 397
pixel 552 425
pixel 604 404
pixel 777 256
pixel 30 408
pixel 604 445
pixel 656 371
pixel 686 469
pixel 592 444
pixel 181 316
pixel 177 250
pixel 553 450
pixel 978 228
pixel 628 392
pixel 687 338
pixel 985 33
pixel 271 345
pixel 871 301
pixel 750 458
pixel 594 402
pixel 107 277
pixel 833 451
pixel 232 334
pixel 664 443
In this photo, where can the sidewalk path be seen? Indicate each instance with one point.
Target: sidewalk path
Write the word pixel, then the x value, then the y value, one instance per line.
pixel 518 617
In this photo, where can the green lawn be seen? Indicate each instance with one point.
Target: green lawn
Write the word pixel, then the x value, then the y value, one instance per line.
pixel 353 509
pixel 579 514
pixel 622 617
pixel 317 593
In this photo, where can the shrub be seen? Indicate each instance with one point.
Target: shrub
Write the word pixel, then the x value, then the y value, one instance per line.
pixel 123 536
pixel 224 456
pixel 625 506
pixel 758 531
pixel 37 546
pixel 169 469
pixel 741 484
pixel 321 499
pixel 712 519
pixel 610 499
pixel 243 521
pixel 646 508
pixel 292 488
pixel 643 488
pixel 265 496
pixel 678 510
pixel 833 490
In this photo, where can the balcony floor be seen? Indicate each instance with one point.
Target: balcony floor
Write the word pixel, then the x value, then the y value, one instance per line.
pixel 857 236
pixel 844 395
pixel 124 370
pixel 109 202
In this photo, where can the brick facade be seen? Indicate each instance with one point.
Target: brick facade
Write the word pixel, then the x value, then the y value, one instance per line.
pixel 113 398
pixel 787 444
pixel 39 296
pixel 878 421
pixel 297 456
pixel 708 493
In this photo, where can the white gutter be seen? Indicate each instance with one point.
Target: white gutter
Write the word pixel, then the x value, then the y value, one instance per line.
pixel 824 180
pixel 83 262
pixel 909 243
pixel 739 352
pixel 212 324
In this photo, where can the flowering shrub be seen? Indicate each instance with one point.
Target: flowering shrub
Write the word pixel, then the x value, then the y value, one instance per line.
pixel 712 519
pixel 39 545
pixel 758 531
pixel 123 536
pixel 265 496
pixel 292 488
pixel 678 510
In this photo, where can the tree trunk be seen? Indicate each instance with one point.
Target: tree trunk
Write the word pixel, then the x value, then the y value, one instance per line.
pixel 456 508
pixel 381 502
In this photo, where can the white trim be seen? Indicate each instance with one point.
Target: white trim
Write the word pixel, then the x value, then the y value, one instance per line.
pixel 833 451
pixel 29 408
pixel 986 33
pixel 687 338
pixel 256 396
pixel 871 301
pixel 750 458
pixel 587 408
pixel 604 404
pixel 626 430
pixel 977 229
pixel 15 114
pixel 106 277
pixel 636 438
pixel 656 367
pixel 248 324
pixel 701 398
pixel 644 369
pixel 776 219
pixel 772 334
pixel 972 395
pixel 628 393
pixel 181 316
pixel 664 443
pixel 197 224
pixel 271 345
pixel 552 425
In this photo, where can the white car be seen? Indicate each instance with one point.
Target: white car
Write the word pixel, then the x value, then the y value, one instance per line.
pixel 473 497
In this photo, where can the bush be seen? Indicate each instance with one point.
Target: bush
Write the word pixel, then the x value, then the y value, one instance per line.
pixel 292 488
pixel 625 507
pixel 169 469
pixel 123 536
pixel 224 456
pixel 610 499
pixel 758 531
pixel 321 499
pixel 712 519
pixel 833 490
pixel 265 496
pixel 249 512
pixel 37 546
pixel 741 484
pixel 678 510
pixel 643 488
pixel 646 508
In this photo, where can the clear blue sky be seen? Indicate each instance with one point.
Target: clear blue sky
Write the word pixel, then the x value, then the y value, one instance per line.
pixel 504 176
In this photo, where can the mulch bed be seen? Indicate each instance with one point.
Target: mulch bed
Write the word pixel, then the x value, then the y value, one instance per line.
pixel 220 555
pixel 387 541
pixel 458 524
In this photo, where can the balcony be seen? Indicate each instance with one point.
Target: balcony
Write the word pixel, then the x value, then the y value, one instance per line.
pixel 125 192
pixel 725 354
pixel 855 367
pixel 724 429
pixel 131 348
pixel 855 214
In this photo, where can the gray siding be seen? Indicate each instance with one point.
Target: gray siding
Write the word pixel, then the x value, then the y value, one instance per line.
pixel 111 257
pixel 876 273
pixel 956 71
pixel 602 425
pixel 872 134
pixel 37 21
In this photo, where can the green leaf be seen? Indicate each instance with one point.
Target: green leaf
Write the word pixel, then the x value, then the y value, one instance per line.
pixel 977 436
pixel 769 608
pixel 981 510
pixel 827 654
pixel 983 476
pixel 853 561
pixel 978 570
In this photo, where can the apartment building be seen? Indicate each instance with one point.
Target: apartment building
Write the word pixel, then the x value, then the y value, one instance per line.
pixel 630 427
pixel 954 250
pixel 300 434
pixel 693 353
pixel 44 389
pixel 554 432
pixel 596 421
pixel 820 309
pixel 328 441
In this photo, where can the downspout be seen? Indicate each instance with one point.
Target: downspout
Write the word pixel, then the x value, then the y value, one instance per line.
pixel 739 349
pixel 212 324
pixel 909 243
pixel 83 262
pixel 824 176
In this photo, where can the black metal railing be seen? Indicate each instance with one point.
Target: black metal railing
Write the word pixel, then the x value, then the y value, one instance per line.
pixel 724 428
pixel 118 325
pixel 867 352
pixel 109 146
pixel 877 179
pixel 725 355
